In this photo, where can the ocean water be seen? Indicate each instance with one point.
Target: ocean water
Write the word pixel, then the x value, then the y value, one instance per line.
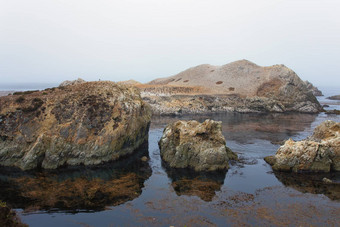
pixel 133 192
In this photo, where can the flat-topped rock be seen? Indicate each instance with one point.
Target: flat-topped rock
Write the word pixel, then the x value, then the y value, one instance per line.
pixel 199 146
pixel 83 124
pixel 318 153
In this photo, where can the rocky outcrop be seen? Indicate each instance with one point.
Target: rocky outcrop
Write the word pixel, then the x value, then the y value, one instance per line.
pixel 313 89
pixel 240 86
pixel 87 123
pixel 334 97
pixel 319 153
pixel 71 82
pixel 199 146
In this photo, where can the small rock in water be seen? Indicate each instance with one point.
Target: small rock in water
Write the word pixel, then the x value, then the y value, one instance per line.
pixel 200 146
pixel 318 153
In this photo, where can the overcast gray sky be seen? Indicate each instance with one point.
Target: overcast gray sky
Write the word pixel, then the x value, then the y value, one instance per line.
pixel 55 40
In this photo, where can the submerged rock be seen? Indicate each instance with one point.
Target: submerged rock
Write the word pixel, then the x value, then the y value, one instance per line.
pixel 87 123
pixel 200 146
pixel 319 153
pixel 312 183
pixel 79 189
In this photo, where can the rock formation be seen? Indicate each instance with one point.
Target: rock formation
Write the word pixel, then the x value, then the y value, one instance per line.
pixel 313 89
pixel 199 146
pixel 72 82
pixel 334 97
pixel 87 123
pixel 240 86
pixel 319 153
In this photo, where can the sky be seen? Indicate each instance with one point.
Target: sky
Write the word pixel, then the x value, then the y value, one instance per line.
pixel 49 41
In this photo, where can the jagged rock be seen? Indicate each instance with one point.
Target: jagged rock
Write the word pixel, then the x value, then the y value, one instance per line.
pixel 86 123
pixel 240 86
pixel 72 82
pixel 319 153
pixel 200 146
pixel 313 89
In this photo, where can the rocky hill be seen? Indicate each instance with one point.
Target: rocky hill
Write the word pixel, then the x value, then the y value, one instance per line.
pixel 86 123
pixel 238 86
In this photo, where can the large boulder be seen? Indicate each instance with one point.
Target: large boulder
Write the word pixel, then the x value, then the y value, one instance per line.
pixel 199 146
pixel 319 153
pixel 87 123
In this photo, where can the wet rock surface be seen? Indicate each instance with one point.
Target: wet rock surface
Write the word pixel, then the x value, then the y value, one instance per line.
pixel 76 189
pixel 87 123
pixel 200 146
pixel 318 153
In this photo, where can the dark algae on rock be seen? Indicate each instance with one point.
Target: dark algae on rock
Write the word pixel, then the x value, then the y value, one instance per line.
pixel 76 189
pixel 82 124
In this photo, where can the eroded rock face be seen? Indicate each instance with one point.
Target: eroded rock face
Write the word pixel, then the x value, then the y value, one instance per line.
pixel 319 153
pixel 200 146
pixel 87 123
pixel 240 86
pixel 313 89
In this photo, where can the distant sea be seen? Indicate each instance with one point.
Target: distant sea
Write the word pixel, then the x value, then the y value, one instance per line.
pixel 26 86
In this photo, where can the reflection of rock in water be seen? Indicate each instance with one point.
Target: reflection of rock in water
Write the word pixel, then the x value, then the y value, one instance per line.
pixel 242 127
pixel 191 183
pixel 312 183
pixel 77 189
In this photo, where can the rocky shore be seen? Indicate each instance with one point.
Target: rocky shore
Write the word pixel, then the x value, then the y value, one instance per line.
pixel 240 86
pixel 81 124
pixel 318 153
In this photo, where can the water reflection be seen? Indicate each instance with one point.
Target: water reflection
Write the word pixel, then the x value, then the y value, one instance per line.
pixel 312 183
pixel 191 183
pixel 244 127
pixel 76 189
